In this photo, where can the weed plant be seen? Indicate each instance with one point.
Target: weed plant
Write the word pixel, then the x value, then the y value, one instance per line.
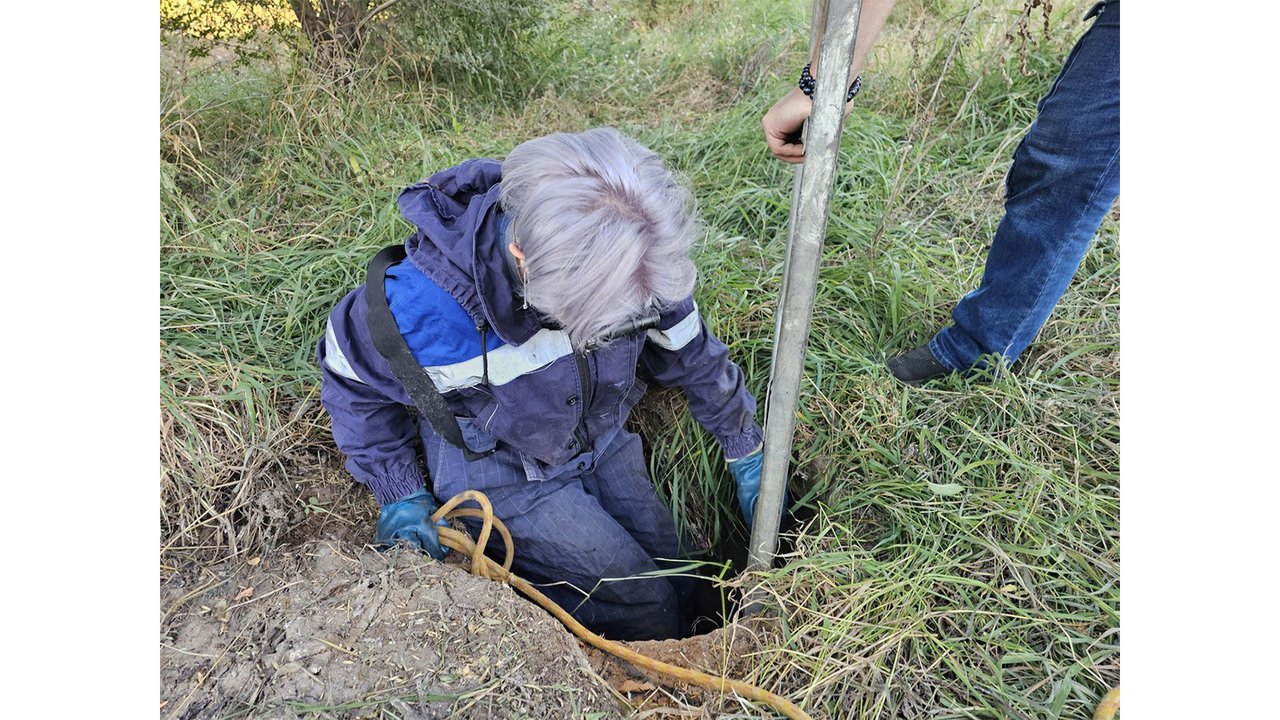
pixel 962 560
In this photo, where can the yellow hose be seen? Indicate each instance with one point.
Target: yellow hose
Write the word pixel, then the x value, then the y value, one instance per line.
pixel 1109 706
pixel 484 567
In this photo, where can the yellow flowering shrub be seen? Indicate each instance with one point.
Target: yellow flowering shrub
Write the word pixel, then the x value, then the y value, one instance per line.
pixel 225 19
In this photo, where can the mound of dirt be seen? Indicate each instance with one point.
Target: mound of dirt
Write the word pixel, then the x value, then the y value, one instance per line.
pixel 340 630
pixel 726 652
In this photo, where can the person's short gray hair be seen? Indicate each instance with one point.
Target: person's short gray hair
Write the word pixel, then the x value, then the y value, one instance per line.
pixel 604 226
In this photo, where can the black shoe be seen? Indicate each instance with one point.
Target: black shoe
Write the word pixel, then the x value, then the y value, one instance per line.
pixel 917 366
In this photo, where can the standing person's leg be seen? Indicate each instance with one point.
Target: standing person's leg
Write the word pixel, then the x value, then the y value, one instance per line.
pixel 1064 178
pixel 566 544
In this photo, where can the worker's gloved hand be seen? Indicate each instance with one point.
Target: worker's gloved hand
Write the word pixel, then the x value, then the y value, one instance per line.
pixel 409 519
pixel 746 472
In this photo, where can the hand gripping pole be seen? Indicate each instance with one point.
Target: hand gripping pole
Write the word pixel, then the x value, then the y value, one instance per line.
pixel 836 24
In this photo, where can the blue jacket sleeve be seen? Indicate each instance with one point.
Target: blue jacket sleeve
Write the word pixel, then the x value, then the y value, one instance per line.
pixel 367 406
pixel 682 353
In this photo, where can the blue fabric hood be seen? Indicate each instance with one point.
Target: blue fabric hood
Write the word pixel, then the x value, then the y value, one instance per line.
pixel 458 244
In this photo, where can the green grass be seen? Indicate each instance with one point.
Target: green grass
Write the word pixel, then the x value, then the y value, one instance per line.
pixel 964 557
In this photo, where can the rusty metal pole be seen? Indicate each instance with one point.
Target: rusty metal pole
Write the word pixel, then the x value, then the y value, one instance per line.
pixel 837 27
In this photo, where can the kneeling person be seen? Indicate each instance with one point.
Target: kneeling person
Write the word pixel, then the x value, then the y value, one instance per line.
pixel 530 294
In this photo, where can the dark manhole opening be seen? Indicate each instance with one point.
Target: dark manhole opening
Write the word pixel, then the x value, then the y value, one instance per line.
pixel 711 603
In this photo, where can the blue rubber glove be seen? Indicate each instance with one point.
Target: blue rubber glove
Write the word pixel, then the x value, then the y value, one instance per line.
pixel 409 519
pixel 746 471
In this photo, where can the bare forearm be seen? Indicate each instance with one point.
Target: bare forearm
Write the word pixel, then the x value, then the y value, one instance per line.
pixel 784 120
pixel 870 23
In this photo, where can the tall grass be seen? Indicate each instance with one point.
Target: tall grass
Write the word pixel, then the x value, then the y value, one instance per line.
pixel 963 557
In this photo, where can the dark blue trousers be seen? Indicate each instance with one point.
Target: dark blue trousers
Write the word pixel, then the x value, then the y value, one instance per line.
pixel 585 539
pixel 1064 178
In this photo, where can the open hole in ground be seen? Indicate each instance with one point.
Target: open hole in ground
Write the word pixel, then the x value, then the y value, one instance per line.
pixel 711 645
pixel 711 604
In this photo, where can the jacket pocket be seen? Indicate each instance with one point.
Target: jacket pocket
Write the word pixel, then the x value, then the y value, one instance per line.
pixel 631 399
pixel 474 435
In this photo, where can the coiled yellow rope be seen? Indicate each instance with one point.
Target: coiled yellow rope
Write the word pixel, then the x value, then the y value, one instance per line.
pixel 484 567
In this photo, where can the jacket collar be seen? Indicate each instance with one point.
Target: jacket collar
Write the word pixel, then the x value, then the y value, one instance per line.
pixel 459 244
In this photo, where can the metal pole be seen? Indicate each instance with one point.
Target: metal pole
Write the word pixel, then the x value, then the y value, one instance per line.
pixel 817 25
pixel 807 228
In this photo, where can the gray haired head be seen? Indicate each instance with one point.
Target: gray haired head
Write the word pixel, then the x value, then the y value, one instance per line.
pixel 605 229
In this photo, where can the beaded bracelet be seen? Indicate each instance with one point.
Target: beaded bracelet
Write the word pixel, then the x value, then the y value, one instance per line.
pixel 807 84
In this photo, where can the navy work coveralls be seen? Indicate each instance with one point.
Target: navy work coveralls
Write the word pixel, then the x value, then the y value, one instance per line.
pixel 565 476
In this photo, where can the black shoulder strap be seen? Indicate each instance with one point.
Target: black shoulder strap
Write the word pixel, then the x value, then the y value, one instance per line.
pixel 391 345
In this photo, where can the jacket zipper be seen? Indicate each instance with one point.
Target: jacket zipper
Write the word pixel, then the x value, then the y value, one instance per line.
pixel 483 328
pixel 584 372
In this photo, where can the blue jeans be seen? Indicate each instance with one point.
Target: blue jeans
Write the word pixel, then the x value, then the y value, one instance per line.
pixel 1064 178
pixel 582 539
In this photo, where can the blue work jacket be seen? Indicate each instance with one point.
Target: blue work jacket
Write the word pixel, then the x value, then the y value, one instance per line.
pixel 557 408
